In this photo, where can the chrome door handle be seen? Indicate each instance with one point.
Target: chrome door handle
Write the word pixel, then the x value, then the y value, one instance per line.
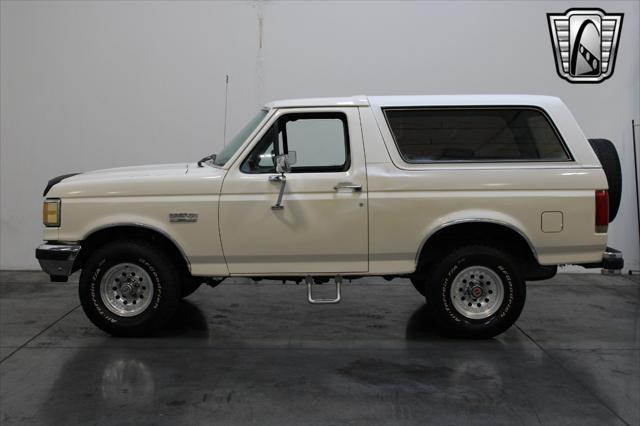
pixel 347 185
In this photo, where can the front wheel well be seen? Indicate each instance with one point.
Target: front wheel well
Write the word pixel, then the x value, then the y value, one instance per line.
pixel 131 233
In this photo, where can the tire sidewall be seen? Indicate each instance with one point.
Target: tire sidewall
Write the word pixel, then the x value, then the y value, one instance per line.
pixel 107 257
pixel 513 289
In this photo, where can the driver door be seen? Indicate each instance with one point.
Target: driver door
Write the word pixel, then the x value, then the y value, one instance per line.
pixel 322 227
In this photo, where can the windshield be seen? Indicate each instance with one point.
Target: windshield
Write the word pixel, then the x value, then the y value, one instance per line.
pixel 237 141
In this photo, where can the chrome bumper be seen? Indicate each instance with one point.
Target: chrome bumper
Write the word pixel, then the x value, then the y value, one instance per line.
pixel 57 259
pixel 612 262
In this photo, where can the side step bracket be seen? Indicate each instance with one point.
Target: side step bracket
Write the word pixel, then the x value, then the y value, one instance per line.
pixel 310 282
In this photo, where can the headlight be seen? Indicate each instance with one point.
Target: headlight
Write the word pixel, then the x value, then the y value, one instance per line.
pixel 51 213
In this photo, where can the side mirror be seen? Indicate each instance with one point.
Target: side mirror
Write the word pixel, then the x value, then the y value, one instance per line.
pixel 293 158
pixel 282 164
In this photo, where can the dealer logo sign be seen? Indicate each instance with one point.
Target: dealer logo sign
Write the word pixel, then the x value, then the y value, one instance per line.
pixel 585 43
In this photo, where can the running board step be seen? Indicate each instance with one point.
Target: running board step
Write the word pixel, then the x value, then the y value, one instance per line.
pixel 310 282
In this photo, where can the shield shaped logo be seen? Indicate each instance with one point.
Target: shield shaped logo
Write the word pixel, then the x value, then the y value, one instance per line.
pixel 585 43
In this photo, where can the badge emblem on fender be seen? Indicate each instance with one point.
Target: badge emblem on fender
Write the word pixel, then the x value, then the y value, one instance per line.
pixel 183 217
pixel 585 44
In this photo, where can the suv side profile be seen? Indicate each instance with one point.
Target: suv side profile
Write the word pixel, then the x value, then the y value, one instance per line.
pixel 468 196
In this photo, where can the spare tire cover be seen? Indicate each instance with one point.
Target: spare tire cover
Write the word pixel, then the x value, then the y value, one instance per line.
pixel 608 156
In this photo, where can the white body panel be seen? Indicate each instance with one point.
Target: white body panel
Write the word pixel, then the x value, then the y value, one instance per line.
pixel 378 231
pixel 144 196
pixel 320 230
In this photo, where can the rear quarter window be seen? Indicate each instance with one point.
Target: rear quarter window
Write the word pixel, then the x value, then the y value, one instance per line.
pixel 500 134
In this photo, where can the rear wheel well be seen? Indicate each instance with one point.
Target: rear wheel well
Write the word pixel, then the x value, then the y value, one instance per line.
pixel 492 234
pixel 131 233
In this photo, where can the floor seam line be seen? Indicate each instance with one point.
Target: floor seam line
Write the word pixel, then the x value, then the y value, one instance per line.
pixel 582 385
pixel 39 334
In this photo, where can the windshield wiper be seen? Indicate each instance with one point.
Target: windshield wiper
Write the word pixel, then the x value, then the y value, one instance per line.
pixel 211 157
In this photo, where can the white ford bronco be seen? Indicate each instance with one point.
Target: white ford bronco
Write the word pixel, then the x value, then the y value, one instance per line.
pixel 468 196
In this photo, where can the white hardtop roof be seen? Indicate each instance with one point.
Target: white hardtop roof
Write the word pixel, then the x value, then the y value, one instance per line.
pixel 319 102
pixel 412 101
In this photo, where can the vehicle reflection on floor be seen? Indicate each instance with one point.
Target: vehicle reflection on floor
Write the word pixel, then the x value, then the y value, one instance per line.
pixel 248 353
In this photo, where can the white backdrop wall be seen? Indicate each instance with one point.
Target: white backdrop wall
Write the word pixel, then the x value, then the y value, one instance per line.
pixel 87 85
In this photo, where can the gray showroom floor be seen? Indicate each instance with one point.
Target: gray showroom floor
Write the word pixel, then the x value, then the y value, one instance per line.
pixel 246 353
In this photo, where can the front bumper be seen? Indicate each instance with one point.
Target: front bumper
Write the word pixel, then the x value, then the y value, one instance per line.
pixel 57 259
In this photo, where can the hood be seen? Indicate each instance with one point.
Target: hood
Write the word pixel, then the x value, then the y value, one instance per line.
pixel 138 171
pixel 150 180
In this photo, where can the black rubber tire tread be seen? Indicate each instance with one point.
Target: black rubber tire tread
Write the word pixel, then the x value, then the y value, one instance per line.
pixel 159 266
pixel 448 319
pixel 608 156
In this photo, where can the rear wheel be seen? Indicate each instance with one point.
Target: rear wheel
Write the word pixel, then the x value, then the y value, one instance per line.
pixel 129 288
pixel 475 291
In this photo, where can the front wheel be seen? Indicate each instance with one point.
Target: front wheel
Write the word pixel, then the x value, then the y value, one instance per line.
pixel 476 291
pixel 129 288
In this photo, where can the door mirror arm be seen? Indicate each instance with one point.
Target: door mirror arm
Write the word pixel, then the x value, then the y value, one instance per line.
pixel 283 182
pixel 282 167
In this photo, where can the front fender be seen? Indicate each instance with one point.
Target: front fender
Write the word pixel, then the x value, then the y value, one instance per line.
pixel 198 239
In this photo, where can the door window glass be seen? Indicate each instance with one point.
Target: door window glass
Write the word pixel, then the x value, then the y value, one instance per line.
pixel 315 142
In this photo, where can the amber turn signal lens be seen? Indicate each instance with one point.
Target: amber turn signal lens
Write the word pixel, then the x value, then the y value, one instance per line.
pixel 51 213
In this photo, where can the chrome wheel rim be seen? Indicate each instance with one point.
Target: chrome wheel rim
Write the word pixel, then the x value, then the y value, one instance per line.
pixel 477 292
pixel 126 289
